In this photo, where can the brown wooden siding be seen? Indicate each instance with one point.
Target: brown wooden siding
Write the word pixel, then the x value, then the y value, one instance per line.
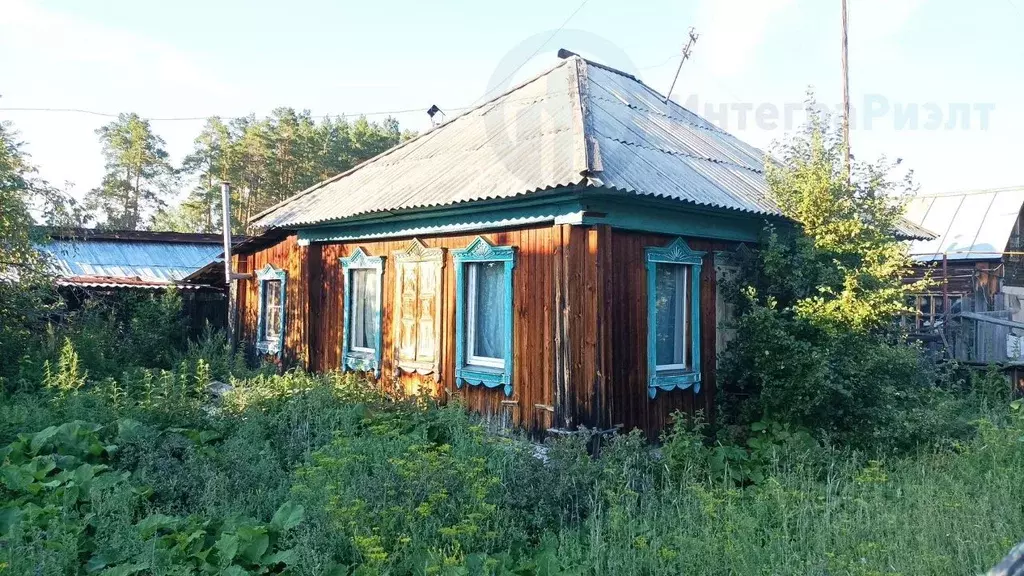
pixel 580 324
pixel 631 407
pixel 293 259
pixel 319 264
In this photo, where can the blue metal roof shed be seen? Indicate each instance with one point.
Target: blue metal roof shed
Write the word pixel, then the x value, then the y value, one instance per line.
pixel 128 259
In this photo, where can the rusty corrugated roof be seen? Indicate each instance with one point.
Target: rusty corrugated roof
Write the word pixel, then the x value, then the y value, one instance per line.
pixel 579 123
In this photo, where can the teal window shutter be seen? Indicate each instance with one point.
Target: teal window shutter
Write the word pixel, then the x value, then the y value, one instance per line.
pixel 271 310
pixel 362 337
pixel 483 315
pixel 673 317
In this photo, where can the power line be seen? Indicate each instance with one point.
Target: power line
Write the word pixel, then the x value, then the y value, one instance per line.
pixel 1015 8
pixel 197 118
pixel 535 52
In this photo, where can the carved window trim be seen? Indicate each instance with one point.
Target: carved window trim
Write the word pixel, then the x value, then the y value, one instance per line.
pixel 263 345
pixel 362 360
pixel 417 253
pixel 677 252
pixel 480 250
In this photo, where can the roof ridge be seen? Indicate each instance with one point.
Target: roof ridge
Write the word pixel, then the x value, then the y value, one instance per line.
pixel 419 138
pixel 662 97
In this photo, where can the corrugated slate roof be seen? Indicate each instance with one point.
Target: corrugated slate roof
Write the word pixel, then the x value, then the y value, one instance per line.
pixel 579 123
pixel 967 225
pixel 127 263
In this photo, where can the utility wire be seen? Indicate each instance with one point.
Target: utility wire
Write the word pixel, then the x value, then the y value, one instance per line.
pixel 381 113
pixel 196 118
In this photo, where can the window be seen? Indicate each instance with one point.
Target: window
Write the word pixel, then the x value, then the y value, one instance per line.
pixel 485 323
pixel 672 310
pixel 417 326
pixel 483 315
pixel 673 317
pixel 361 337
pixel 270 325
pixel 930 310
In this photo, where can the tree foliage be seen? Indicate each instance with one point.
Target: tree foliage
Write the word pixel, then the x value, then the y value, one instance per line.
pixel 25 287
pixel 138 177
pixel 849 230
pixel 818 343
pixel 268 160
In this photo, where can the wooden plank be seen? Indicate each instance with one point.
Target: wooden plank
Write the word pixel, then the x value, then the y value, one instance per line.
pixel 561 367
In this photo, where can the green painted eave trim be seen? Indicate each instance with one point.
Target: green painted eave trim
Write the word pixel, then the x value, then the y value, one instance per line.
pixel 661 217
pixel 449 221
pixel 576 206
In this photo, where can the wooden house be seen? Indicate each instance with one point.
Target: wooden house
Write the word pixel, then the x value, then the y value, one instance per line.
pixel 976 262
pixel 551 257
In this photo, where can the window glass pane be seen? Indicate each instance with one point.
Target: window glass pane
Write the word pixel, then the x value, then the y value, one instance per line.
pixel 272 309
pixel 486 308
pixel 364 308
pixel 671 314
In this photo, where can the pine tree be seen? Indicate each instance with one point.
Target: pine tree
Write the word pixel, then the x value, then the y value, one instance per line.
pixel 138 175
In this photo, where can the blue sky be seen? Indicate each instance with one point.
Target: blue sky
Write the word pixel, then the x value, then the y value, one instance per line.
pixel 199 58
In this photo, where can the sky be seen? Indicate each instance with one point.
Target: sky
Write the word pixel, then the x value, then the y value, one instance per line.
pixel 198 58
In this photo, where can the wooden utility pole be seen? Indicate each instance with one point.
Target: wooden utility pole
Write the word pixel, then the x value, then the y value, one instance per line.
pixel 846 93
pixel 686 56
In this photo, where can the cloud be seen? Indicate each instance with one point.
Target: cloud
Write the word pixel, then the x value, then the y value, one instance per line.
pixel 732 30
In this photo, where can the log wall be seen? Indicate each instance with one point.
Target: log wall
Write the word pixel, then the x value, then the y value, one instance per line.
pixel 580 326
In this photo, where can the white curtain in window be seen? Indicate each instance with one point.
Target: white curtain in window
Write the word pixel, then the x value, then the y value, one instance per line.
pixel 487 309
pixel 671 315
pixel 272 309
pixel 365 284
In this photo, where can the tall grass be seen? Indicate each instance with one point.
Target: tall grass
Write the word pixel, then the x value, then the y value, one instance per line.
pixel 401 486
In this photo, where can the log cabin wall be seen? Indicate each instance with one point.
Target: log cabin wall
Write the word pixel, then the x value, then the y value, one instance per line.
pixel 287 255
pixel 580 324
pixel 628 402
pixel 315 308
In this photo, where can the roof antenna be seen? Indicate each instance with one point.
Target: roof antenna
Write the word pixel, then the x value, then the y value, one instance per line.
pixel 686 55
pixel 436 116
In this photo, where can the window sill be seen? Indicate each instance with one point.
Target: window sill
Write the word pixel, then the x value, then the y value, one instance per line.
pixel 361 361
pixel 268 347
pixel 484 376
pixel 668 380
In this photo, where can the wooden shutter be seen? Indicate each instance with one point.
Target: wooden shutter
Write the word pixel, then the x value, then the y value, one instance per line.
pixel 407 312
pixel 426 338
pixel 418 317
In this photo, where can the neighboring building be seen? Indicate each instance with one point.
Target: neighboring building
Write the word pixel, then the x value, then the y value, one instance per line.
pixel 976 261
pixel 89 262
pixel 551 257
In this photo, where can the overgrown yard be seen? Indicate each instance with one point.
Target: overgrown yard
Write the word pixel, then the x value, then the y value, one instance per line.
pixel 323 475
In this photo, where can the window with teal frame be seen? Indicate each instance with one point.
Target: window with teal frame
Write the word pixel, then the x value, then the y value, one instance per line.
pixel 673 317
pixel 483 315
pixel 362 337
pixel 271 312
